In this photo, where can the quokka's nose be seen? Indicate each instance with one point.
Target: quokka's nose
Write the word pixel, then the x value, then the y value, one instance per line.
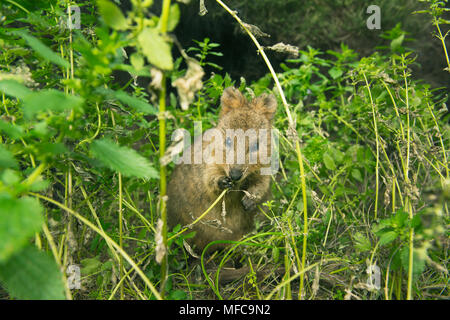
pixel 235 174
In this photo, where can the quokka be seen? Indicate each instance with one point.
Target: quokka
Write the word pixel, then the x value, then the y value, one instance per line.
pixel 194 187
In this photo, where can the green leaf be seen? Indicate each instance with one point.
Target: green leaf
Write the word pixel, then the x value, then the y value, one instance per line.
pixel 12 130
pixel 122 159
pixel 174 17
pixel 338 155
pixel 177 295
pixel 136 103
pixel 397 42
pixel 90 266
pixel 356 174
pixel 419 258
pixel 48 148
pixel 41 49
pixel 51 100
pixel 400 219
pixel 7 159
pixel 275 254
pixel 335 72
pixel 329 162
pixel 14 89
pixel 362 243
pixel 10 177
pixel 137 61
pixel 135 72
pixel 112 15
pixel 388 237
pixel 156 48
pixel 32 275
pixel 19 220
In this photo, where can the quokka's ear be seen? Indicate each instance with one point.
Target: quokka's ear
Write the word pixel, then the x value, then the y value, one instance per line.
pixel 266 104
pixel 231 98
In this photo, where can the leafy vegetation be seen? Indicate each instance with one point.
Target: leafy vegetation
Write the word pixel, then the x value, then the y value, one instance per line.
pixel 363 183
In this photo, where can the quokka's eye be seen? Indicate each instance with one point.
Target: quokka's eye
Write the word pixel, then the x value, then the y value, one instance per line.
pixel 254 147
pixel 228 142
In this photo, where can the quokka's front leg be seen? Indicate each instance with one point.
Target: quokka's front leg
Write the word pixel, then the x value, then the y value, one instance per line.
pixel 258 187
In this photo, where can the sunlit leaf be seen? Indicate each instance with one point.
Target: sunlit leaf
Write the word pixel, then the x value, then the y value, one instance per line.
pixel 7 159
pixel 135 103
pixel 112 15
pixel 174 17
pixel 42 50
pixel 156 48
pixel 329 162
pixel 19 220
pixel 14 89
pixel 50 100
pixel 122 159
pixel 32 275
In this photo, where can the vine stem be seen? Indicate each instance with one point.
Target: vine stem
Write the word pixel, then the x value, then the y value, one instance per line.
pixel 120 215
pixel 408 200
pixel 162 150
pixel 292 131
pixel 442 39
pixel 54 250
pixel 121 234
pixel 377 140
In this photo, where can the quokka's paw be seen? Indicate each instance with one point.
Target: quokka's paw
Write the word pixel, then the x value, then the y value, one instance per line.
pixel 248 203
pixel 225 183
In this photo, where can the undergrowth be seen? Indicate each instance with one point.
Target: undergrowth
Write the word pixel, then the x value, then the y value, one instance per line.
pixel 84 162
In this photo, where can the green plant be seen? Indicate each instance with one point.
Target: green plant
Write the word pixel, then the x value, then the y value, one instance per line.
pixel 204 49
pixel 436 10
pixel 363 179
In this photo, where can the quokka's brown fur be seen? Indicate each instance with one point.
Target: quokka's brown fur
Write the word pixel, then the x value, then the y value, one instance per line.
pixel 194 187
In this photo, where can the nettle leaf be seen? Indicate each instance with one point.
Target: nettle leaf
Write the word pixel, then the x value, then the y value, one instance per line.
pixel 10 177
pixel 143 72
pixel 397 42
pixel 362 243
pixel 177 295
pixel 174 17
pixel 112 15
pixel 7 159
pixel 419 258
pixel 41 49
pixel 137 61
pixel 329 162
pixel 50 100
pixel 337 155
pixel 155 48
pixel 14 89
pixel 383 226
pixel 19 220
pixel 356 174
pixel 335 72
pixel 387 237
pixel 12 130
pixel 90 265
pixel 400 219
pixel 136 103
pixel 37 101
pixel 122 159
pixel 32 275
